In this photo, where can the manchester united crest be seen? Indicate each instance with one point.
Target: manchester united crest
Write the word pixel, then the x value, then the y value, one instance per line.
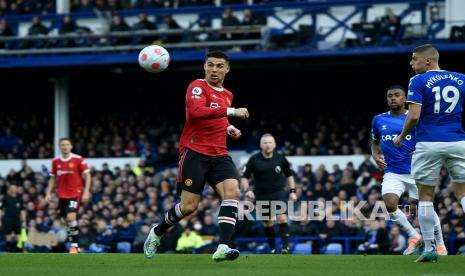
pixel 188 182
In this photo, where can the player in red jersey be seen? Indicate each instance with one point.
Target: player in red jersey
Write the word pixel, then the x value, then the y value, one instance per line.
pixel 204 156
pixel 67 171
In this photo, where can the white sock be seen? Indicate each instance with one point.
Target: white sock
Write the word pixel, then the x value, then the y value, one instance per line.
pixel 426 217
pixel 438 231
pixel 462 201
pixel 401 220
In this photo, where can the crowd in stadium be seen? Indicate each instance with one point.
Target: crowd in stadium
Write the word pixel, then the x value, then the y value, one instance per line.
pixel 125 201
pixel 157 140
pixel 68 25
pixel 21 7
pixel 384 31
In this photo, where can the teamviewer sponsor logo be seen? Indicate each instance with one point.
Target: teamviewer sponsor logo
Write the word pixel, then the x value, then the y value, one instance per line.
pixel 312 210
pixel 60 172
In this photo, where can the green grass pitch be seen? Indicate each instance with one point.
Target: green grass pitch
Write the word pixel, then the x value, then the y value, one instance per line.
pixel 190 265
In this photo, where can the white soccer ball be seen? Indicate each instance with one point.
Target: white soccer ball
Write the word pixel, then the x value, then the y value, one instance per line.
pixel 154 58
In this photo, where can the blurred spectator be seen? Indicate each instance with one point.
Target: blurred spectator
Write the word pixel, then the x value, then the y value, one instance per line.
pixel 330 230
pixel 138 243
pixel 208 228
pixel 49 7
pixel 250 19
pixel 229 20
pixel 105 240
pixel 377 239
pixel 37 29
pixel 4 8
pixel 145 24
pixel 205 23
pixel 389 28
pixel 68 26
pixel 118 24
pixel 5 31
pixel 457 34
pixel 189 241
pixel 114 5
pixel 398 242
pixel 171 24
pixel 83 6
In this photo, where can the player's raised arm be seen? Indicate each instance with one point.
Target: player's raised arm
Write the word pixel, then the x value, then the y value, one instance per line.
pixel 196 104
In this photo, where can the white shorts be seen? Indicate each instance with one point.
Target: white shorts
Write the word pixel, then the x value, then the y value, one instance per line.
pixel 429 157
pixel 394 183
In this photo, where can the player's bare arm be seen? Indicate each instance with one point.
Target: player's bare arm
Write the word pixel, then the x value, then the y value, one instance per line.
pixel 51 186
pixel 377 154
pixel 86 195
pixel 410 122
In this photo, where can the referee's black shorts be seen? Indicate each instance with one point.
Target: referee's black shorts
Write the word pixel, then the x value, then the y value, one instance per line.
pixel 280 195
pixel 266 200
pixel 11 225
pixel 196 169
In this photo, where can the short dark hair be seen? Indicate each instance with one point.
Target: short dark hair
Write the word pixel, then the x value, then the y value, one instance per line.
pixel 396 86
pixel 429 51
pixel 217 54
pixel 65 139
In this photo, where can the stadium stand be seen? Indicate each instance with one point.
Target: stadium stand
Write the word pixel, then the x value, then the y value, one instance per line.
pixel 125 202
pixel 139 135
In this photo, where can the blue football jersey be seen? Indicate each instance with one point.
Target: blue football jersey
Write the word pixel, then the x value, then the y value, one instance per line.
pixel 440 94
pixel 384 128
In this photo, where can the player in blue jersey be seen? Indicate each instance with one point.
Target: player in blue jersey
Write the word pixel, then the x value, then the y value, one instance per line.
pixel 435 99
pixel 396 163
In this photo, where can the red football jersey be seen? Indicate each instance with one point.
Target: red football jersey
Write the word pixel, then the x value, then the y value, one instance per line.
pixel 68 174
pixel 206 119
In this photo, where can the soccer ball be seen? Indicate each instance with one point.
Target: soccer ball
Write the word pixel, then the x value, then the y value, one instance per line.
pixel 154 58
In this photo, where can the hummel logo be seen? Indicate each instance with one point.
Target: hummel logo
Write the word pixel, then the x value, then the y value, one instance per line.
pixel 384 127
pixel 214 96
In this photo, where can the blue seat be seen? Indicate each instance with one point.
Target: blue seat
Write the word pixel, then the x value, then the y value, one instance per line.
pixel 302 248
pixel 123 247
pixel 333 249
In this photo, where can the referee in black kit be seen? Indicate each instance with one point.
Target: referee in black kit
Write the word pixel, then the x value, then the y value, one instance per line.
pixel 12 216
pixel 269 170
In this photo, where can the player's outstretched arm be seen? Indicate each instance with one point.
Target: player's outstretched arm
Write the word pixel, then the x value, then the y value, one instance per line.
pixel 242 113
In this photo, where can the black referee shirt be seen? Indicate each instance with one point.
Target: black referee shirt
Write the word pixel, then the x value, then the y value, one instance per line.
pixel 269 173
pixel 12 206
